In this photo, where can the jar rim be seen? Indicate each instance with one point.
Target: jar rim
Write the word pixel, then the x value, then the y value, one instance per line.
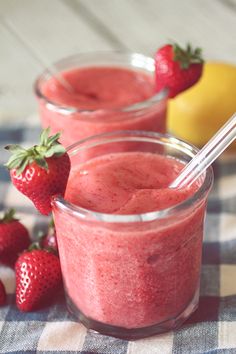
pixel 163 139
pixel 129 56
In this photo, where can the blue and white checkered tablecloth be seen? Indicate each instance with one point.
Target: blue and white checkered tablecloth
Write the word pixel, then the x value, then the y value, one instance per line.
pixel 212 329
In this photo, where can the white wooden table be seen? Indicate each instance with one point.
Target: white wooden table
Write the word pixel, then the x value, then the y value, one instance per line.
pixel 58 28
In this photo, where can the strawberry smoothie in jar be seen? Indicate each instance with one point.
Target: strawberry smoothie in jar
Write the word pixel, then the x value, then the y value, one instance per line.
pixel 130 247
pixel 109 91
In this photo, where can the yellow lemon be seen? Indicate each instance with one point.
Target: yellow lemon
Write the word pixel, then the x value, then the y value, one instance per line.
pixel 196 114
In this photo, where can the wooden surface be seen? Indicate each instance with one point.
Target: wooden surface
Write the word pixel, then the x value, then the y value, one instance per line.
pixel 58 28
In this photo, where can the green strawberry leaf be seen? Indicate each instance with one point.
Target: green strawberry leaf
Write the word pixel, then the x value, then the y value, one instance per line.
pixel 14 161
pixel 41 162
pixel 8 216
pixel 56 150
pixel 35 246
pixel 54 138
pixel 49 147
pixel 44 136
pixel 187 56
pixel 15 148
pixel 22 165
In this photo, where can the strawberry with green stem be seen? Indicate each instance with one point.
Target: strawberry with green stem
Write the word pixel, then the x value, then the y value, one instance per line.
pixel 38 278
pixel 41 171
pixel 176 68
pixel 14 238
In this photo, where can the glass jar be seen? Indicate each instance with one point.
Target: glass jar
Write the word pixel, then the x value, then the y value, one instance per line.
pixel 77 123
pixel 132 276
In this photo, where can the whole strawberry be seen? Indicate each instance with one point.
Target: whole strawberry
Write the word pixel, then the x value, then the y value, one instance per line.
pixel 41 171
pixel 38 278
pixel 176 68
pixel 14 238
pixel 49 240
pixel 3 295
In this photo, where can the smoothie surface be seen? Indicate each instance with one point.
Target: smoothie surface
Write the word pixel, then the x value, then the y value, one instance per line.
pixel 126 183
pixel 100 87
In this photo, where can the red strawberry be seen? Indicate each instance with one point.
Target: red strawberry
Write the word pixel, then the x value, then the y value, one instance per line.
pixel 14 238
pixel 49 240
pixel 38 278
pixel 3 295
pixel 176 68
pixel 41 171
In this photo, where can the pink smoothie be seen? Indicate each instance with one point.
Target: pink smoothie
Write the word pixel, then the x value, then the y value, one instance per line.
pixel 98 98
pixel 96 87
pixel 130 275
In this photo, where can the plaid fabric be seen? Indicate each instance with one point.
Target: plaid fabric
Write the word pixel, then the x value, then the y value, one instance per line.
pixel 212 329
